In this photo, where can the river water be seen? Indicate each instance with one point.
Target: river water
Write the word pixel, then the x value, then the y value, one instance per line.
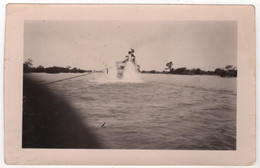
pixel 153 111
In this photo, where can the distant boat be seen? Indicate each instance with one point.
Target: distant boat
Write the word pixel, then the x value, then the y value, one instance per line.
pixel 122 64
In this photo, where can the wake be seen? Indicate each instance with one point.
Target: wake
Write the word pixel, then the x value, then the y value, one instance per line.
pixel 131 75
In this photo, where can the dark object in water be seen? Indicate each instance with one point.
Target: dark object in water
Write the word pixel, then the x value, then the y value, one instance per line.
pixel 50 122
pixel 103 125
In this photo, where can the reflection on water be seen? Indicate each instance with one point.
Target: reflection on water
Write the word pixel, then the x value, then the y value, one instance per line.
pixel 183 112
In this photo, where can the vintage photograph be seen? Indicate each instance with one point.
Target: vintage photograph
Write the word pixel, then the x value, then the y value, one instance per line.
pixel 130 84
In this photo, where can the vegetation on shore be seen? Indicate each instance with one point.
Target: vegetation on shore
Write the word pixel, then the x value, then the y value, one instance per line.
pixel 227 71
pixel 28 67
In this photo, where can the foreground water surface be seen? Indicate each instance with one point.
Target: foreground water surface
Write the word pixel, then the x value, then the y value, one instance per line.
pixel 155 111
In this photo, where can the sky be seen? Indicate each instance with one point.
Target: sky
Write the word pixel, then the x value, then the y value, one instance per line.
pixel 95 45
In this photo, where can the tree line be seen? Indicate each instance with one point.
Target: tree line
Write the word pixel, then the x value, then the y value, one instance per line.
pixel 28 67
pixel 227 71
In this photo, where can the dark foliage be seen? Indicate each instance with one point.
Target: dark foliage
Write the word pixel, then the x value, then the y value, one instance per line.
pixel 227 71
pixel 28 67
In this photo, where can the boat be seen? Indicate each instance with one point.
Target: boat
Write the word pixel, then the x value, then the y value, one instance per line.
pixel 121 65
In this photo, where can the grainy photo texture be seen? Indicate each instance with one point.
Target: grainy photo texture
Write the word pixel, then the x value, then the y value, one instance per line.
pixel 132 84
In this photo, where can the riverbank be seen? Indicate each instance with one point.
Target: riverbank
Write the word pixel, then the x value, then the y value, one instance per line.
pixel 222 72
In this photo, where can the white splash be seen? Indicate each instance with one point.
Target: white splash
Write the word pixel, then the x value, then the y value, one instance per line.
pixel 131 75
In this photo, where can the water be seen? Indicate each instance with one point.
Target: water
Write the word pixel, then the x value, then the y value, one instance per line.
pixel 153 111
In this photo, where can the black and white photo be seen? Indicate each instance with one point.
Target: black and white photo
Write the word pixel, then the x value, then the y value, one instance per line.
pixel 130 84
